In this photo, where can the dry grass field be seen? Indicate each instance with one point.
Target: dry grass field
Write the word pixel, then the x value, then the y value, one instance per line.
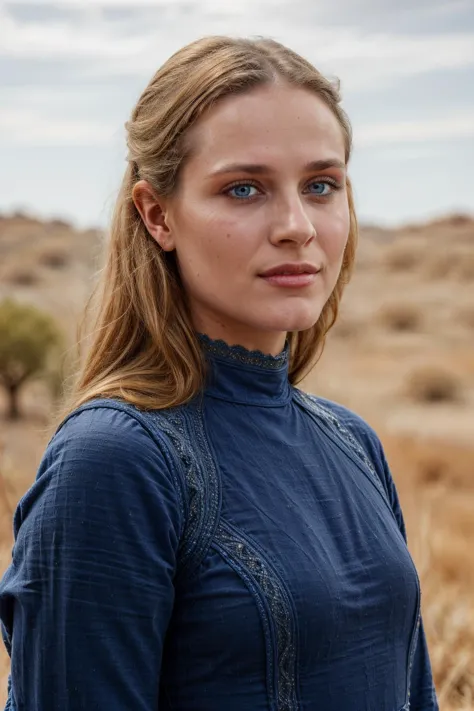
pixel 401 355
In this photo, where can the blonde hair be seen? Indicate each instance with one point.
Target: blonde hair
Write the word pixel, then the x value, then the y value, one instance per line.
pixel 143 346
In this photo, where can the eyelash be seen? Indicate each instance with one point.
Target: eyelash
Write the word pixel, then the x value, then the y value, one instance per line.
pixel 329 181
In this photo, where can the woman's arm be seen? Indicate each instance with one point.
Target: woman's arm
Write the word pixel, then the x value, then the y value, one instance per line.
pixel 86 602
pixel 422 695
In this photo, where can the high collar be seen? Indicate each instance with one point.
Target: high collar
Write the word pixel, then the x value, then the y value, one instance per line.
pixel 246 377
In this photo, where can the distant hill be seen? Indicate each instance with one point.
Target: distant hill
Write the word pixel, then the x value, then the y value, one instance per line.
pixel 53 264
pixel 48 263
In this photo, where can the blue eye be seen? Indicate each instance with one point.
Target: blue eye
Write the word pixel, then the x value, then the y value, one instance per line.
pixel 320 188
pixel 242 191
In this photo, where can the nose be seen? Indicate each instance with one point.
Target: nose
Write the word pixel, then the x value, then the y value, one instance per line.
pixel 291 222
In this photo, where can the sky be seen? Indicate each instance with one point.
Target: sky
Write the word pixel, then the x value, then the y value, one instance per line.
pixel 70 73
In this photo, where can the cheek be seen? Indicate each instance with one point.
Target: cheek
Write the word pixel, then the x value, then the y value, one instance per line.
pixel 333 235
pixel 209 246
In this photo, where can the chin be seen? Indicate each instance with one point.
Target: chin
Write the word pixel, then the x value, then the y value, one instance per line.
pixel 301 320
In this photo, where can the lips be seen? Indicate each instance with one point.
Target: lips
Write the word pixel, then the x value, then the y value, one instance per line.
pixel 291 269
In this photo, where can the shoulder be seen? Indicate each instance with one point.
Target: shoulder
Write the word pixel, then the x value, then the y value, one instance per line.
pixel 346 418
pixel 106 422
pixel 104 477
pixel 361 434
pixel 115 430
pixel 372 447
pixel 107 444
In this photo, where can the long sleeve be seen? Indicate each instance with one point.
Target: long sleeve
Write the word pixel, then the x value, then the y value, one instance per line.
pixel 86 602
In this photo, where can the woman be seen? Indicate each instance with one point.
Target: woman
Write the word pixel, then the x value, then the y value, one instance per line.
pixel 202 535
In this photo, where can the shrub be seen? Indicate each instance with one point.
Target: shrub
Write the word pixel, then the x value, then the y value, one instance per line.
pixel 466 316
pixel 58 224
pixel 455 264
pixel 466 268
pixel 400 317
pixel 433 385
pixel 402 257
pixel 29 340
pixel 432 470
pixel 21 277
pixel 459 220
pixel 54 258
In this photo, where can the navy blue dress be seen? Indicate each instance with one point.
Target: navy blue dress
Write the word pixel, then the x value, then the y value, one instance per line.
pixel 244 551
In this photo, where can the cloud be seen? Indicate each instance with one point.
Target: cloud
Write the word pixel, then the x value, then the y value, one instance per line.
pixel 370 60
pixel 72 69
pixel 135 44
pixel 206 5
pixel 37 121
pixel 32 128
pixel 450 7
pixel 440 129
pixel 63 39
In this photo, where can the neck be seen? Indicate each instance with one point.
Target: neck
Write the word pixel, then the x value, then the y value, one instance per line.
pixel 246 377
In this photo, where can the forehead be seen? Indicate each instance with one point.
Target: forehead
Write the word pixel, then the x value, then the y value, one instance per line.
pixel 269 124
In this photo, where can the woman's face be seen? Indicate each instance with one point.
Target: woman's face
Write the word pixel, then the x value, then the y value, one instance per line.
pixel 264 186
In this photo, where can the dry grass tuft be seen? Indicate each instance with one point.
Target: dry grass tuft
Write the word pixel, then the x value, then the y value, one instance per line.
pixel 443 544
pixel 456 263
pixel 400 317
pixel 54 258
pixel 436 486
pixel 449 616
pixel 457 220
pixel 402 257
pixel 21 276
pixel 466 268
pixel 345 329
pixel 433 385
pixel 466 316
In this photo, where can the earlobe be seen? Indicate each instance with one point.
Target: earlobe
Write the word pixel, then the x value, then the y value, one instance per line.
pixel 165 241
pixel 162 235
pixel 152 210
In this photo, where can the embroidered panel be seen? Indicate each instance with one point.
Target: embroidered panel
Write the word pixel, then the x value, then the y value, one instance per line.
pixel 187 434
pixel 252 562
pixel 185 429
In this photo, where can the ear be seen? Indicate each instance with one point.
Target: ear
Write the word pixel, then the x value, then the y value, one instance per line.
pixel 152 210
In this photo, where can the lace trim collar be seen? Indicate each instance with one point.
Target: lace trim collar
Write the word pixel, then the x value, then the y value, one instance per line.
pixel 240 354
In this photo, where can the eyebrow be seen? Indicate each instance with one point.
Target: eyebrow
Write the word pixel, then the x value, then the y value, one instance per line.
pixel 258 169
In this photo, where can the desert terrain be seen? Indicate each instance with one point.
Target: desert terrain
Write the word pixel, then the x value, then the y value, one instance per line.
pixel 401 355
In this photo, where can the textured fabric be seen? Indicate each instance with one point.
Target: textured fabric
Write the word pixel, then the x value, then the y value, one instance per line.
pixel 245 551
